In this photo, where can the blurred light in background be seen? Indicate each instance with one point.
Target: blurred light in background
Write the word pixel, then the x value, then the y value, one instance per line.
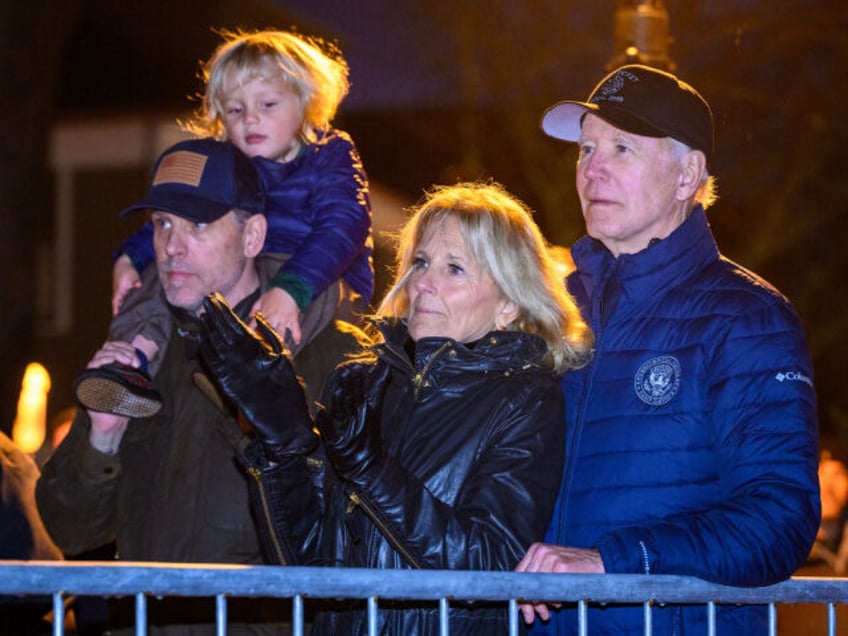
pixel 642 35
pixel 31 420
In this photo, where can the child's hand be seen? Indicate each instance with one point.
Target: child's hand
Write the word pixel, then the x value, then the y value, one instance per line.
pixel 124 278
pixel 280 310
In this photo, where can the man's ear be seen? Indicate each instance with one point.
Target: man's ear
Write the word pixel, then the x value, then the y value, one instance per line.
pixel 693 167
pixel 253 239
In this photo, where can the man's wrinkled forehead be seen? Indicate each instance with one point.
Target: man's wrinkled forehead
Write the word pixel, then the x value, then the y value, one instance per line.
pixel 593 126
pixel 189 216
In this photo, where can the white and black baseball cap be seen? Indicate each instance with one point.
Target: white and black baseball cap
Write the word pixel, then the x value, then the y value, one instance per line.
pixel 640 100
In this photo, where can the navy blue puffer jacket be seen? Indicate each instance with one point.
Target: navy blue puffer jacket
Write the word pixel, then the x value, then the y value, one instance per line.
pixel 692 436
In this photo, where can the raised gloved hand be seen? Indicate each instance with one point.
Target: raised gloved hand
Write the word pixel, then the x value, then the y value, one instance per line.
pixel 350 425
pixel 254 371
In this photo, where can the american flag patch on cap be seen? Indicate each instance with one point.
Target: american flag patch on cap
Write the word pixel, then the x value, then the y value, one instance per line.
pixel 181 166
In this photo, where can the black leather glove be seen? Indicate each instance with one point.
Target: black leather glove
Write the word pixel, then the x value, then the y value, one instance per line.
pixel 256 373
pixel 350 425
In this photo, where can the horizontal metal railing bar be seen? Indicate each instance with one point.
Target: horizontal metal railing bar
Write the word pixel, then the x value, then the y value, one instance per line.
pixel 167 579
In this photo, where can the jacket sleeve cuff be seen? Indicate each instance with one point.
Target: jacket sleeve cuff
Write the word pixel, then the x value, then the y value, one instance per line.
pixel 628 552
pixel 97 467
pixel 295 286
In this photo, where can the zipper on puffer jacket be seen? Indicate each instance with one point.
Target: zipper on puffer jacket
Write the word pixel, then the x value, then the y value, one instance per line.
pixel 266 514
pixel 356 500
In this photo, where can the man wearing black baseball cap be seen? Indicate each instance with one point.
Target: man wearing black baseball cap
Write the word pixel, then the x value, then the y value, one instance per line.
pixel 167 486
pixel 692 434
pixel 198 181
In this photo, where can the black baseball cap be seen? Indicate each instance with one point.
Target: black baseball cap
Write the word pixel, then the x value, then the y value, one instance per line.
pixel 201 180
pixel 643 101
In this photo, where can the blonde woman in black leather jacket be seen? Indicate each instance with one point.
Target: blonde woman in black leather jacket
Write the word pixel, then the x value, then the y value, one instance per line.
pixel 442 441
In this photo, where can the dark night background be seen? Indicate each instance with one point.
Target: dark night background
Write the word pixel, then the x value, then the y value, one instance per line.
pixel 446 90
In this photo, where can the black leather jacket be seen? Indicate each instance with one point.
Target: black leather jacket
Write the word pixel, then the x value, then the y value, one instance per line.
pixel 473 440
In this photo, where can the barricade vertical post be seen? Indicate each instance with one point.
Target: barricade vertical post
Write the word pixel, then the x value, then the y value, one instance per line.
pixel 297 615
pixel 220 615
pixel 582 617
pixel 444 624
pixel 58 614
pixel 831 619
pixel 649 626
pixel 372 616
pixel 140 614
pixel 513 617
pixel 772 614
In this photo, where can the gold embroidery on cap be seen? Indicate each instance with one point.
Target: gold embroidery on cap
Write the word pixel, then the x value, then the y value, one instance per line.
pixel 181 166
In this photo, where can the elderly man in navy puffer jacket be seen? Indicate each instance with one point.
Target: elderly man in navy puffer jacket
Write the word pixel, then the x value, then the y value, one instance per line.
pixel 692 436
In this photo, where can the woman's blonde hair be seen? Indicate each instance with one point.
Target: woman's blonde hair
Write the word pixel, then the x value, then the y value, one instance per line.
pixel 501 235
pixel 312 68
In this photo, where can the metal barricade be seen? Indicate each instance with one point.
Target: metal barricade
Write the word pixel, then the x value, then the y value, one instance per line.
pixel 223 582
